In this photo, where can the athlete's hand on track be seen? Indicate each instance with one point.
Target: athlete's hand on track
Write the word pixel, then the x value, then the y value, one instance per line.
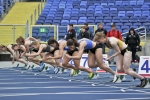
pixel 12 62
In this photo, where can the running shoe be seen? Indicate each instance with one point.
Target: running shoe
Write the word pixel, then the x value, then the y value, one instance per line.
pixel 143 83
pixel 28 66
pixel 91 75
pixel 17 65
pixel 32 66
pixel 42 66
pixel 115 78
pixel 56 70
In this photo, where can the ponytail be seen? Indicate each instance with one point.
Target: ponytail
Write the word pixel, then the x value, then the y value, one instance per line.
pixel 108 45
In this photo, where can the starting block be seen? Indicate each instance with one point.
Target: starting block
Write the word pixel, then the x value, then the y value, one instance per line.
pixel 144 69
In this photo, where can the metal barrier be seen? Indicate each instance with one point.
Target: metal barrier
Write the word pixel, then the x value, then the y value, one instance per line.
pixel 11 32
pixel 43 32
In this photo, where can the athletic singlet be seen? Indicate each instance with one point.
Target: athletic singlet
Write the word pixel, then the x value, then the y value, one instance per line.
pixel 89 44
pixel 119 43
pixel 47 49
pixel 65 48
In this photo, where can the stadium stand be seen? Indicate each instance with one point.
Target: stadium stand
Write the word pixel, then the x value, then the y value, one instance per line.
pixel 130 13
pixel 16 16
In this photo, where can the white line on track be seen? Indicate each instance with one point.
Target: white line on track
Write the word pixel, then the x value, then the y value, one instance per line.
pixel 85 81
pixel 64 93
pixel 143 98
pixel 39 82
pixel 9 88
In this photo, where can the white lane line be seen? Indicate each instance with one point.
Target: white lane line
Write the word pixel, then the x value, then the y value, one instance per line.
pixel 9 88
pixel 143 98
pixel 38 82
pixel 87 82
pixel 63 93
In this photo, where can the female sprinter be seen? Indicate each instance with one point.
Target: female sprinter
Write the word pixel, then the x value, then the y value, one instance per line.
pixel 7 48
pixel 48 50
pixel 13 49
pixel 62 44
pixel 123 53
pixel 19 52
pixel 27 43
pixel 95 53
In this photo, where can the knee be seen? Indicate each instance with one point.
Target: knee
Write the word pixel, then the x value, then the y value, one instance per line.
pixel 126 71
pixel 91 65
pixel 119 70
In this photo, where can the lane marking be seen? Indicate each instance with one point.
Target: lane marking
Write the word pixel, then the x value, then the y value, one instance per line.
pixel 86 82
pixel 63 93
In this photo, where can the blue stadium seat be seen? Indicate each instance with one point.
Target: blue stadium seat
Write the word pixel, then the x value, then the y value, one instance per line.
pixel 137 24
pixel 137 8
pixel 145 13
pixel 133 19
pixel 73 21
pixel 64 22
pixel 116 20
pixel 125 3
pixel 89 15
pixel 90 21
pixel 66 16
pixel 74 18
pixel 56 22
pixel 96 4
pixel 118 3
pixel 97 21
pixel 48 22
pixel 129 14
pixel 81 22
pixel 124 19
pixel 132 3
pixel 39 22
pixel 111 4
pixel 128 24
pixel 91 18
pixel 98 14
pixel 142 19
pixel 140 3
pixel 125 27
pixel 119 24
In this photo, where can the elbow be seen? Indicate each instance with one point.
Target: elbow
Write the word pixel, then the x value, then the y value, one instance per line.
pixel 79 57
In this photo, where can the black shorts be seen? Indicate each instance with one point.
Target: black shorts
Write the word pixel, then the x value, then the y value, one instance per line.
pixel 33 50
pixel 96 47
pixel 125 50
pixel 56 48
pixel 71 52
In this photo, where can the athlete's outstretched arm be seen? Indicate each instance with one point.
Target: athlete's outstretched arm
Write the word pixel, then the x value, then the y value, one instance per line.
pixel 36 54
pixel 116 47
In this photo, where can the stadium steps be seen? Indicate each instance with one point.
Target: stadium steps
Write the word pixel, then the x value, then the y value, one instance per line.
pixel 19 14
